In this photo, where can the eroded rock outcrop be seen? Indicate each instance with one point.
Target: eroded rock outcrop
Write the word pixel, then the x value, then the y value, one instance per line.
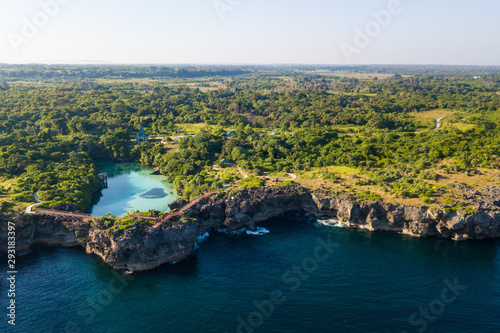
pixel 44 231
pixel 141 248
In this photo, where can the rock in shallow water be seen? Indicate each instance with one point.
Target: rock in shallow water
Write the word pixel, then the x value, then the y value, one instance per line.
pixel 156 193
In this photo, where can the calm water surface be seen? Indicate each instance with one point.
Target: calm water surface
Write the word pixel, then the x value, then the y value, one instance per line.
pixel 132 187
pixel 370 282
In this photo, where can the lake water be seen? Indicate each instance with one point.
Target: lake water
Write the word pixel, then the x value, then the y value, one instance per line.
pixel 362 282
pixel 132 187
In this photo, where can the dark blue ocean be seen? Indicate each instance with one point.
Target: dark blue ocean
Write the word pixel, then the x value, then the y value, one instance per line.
pixel 301 277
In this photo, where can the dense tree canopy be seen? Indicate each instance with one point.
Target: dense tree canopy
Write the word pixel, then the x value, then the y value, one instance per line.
pixel 55 122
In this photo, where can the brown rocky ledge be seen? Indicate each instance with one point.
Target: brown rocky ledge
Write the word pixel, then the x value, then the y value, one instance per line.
pixel 139 248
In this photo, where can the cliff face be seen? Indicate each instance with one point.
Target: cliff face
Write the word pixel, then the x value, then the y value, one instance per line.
pixel 141 248
pixel 43 231
pixel 248 207
pixel 419 221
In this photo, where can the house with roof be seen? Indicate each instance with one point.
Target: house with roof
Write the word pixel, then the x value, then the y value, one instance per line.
pixel 231 134
pixel 141 136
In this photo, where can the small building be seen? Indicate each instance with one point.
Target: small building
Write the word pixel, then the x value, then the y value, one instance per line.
pixel 141 136
pixel 225 161
pixel 231 134
pixel 274 132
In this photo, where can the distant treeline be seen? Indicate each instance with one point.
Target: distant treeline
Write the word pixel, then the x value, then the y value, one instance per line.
pixel 438 70
pixel 68 72
pixel 39 72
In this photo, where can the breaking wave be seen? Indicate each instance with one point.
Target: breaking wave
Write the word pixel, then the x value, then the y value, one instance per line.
pixel 334 222
pixel 257 231
pixel 201 239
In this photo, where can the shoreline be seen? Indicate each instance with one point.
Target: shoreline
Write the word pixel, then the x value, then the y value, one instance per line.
pixel 140 247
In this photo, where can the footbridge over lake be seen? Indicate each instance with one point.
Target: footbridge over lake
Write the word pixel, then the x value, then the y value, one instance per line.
pixel 82 217
pixel 169 216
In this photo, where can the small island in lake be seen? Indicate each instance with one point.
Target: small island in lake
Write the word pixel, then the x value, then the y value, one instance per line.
pixel 156 193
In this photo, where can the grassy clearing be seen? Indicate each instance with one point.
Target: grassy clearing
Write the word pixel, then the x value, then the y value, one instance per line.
pixel 192 129
pixel 116 80
pixel 202 84
pixel 6 186
pixel 6 183
pixel 461 126
pixel 451 119
pixel 32 83
pixel 313 179
pixel 487 178
pixel 172 148
pixel 361 76
pixel 344 170
pixel 432 114
pixel 347 178
pixel 227 175
pixel 428 118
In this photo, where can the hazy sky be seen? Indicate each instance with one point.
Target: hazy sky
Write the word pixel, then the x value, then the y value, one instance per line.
pixel 251 31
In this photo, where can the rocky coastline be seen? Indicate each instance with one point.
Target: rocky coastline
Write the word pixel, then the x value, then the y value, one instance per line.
pixel 140 248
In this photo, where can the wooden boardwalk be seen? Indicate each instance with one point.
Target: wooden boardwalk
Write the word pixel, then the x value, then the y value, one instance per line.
pixel 75 217
pixel 104 179
pixel 81 217
pixel 167 217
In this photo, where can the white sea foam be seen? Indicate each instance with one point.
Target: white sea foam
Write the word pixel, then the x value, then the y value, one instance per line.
pixel 334 222
pixel 201 239
pixel 257 231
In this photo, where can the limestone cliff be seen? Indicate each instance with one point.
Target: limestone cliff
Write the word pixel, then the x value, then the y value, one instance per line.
pixel 42 231
pixel 141 248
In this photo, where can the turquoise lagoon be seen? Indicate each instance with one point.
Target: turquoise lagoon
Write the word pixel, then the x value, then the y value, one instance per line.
pixel 132 187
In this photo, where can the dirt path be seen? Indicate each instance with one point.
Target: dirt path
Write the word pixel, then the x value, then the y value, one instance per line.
pixel 438 122
pixel 29 209
pixel 50 212
pixel 243 173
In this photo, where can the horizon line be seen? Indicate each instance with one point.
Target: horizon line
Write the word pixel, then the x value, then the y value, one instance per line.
pixel 109 63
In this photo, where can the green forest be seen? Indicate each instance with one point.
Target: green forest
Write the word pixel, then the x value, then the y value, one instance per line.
pixel 368 132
